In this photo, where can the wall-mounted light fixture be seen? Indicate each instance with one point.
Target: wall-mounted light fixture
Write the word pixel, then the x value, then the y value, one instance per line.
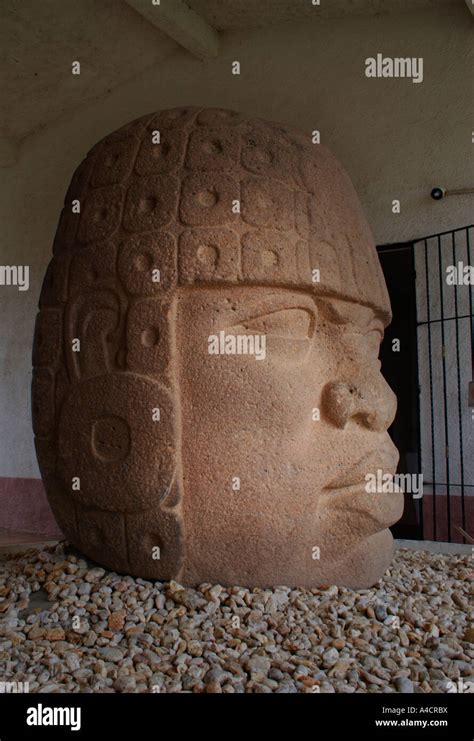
pixel 438 193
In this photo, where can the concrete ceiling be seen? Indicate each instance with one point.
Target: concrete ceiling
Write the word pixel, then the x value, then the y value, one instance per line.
pixel 227 15
pixel 39 40
pixel 114 40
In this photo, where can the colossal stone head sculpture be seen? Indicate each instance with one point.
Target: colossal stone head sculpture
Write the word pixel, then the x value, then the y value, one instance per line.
pixel 207 398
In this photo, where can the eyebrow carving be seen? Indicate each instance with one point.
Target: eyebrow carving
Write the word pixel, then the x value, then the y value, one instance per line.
pixel 294 322
pixel 346 313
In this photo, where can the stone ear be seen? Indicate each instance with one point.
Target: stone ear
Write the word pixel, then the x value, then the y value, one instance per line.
pixel 90 318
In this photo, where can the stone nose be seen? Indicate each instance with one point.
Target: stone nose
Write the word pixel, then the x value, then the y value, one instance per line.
pixel 370 403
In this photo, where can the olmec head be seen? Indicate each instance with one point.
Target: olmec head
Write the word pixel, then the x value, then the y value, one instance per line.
pixel 206 385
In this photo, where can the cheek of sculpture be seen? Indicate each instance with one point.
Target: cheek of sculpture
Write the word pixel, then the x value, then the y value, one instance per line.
pixel 255 448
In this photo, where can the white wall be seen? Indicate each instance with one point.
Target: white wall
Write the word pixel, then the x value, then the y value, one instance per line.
pixel 396 138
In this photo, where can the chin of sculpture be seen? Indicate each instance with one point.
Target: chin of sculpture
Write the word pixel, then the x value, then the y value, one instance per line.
pixel 207 399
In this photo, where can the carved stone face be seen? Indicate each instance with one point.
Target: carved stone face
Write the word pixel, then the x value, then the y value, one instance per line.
pixel 276 449
pixel 207 399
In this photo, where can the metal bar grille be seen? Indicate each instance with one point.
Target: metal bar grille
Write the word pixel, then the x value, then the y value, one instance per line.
pixel 458 366
pixel 445 324
pixel 428 322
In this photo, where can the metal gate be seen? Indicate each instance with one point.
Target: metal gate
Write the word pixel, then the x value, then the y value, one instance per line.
pixel 445 333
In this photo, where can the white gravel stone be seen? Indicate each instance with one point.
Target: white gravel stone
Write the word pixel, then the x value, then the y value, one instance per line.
pixel 110 654
pixel 124 684
pixel 403 684
pixel 411 632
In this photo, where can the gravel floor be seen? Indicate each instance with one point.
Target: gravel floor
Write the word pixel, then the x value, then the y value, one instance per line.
pixel 69 626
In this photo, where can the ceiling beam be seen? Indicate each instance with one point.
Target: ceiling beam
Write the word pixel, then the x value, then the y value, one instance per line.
pixel 183 25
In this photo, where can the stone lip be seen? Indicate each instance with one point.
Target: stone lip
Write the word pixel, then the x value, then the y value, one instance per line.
pixel 385 459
